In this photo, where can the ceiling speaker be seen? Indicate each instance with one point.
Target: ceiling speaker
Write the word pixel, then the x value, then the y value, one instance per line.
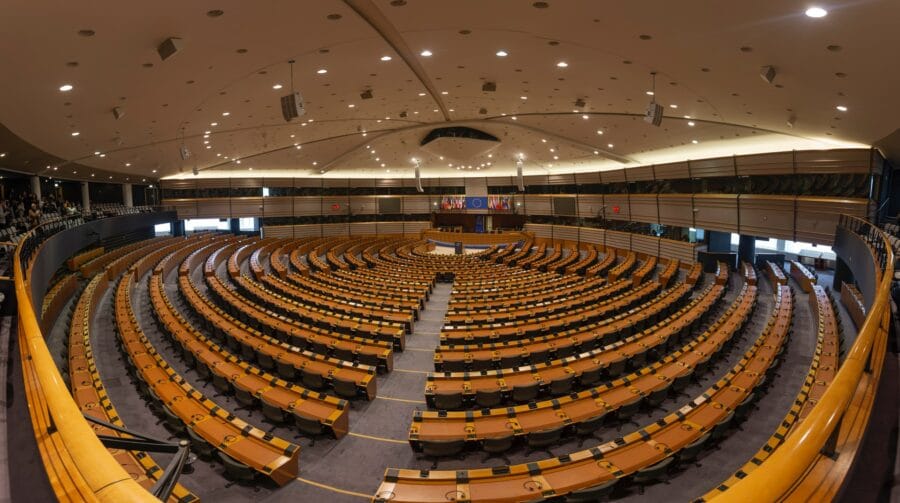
pixel 118 112
pixel 168 48
pixel 767 73
pixel 489 87
pixel 366 95
pixel 292 106
pixel 654 114
pixel 580 103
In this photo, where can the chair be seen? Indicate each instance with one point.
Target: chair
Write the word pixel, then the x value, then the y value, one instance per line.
pixel 541 440
pixel 718 431
pixel 244 397
pixel 638 360
pixel 497 446
pixel 627 410
pixel 286 371
pixel 448 401
pixel 271 411
pixel 562 385
pixel 202 370
pixel 311 379
pixel 590 376
pixel 654 473
pixel 526 393
pixel 172 421
pixel 307 425
pixel 587 428
pixel 453 366
pixel 235 470
pixel 658 396
pixel 221 383
pixel 565 351
pixel 435 449
pixel 615 369
pixel 593 493
pixel 248 353
pixel 689 453
pixel 265 361
pixel 488 398
pixel 344 354
pixel 200 446
pixel 344 388
pixel 539 357
pixel 479 365
pixel 681 382
pixel 188 358
pixel 743 408
pixel 510 361
pixel 369 359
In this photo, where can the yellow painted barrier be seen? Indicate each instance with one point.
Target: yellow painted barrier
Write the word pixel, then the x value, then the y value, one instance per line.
pixel 79 467
pixel 798 469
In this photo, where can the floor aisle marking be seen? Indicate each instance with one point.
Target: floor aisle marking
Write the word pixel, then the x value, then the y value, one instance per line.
pixel 334 489
pixel 405 400
pixel 411 371
pixel 424 350
pixel 380 439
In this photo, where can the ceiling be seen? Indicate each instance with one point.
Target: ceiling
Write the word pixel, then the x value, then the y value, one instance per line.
pixel 707 57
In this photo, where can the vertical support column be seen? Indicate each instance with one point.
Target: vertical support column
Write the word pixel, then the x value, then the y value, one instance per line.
pixel 719 242
pixel 85 198
pixel 36 187
pixel 747 249
pixel 127 198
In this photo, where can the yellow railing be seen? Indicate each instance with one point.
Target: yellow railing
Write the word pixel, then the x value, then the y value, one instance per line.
pixel 812 463
pixel 78 466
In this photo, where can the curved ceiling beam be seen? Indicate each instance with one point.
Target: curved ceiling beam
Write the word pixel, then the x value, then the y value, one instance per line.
pixel 371 14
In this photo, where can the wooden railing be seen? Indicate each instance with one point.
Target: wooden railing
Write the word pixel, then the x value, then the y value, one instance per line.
pixel 814 461
pixel 78 466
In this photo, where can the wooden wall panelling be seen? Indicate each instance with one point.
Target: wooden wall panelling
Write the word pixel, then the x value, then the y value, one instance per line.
pixel 648 245
pixel 671 171
pixel 676 209
pixel 776 163
pixel 613 175
pixel 681 250
pixel 214 207
pixel 617 200
pixel 719 166
pixel 278 206
pixel 716 212
pixel 338 229
pixel 818 216
pixel 307 206
pixel 640 174
pixel 540 230
pixel 246 207
pixel 768 216
pixel 839 161
pixel 590 205
pixel 416 204
pixel 644 208
pixel 186 208
pixel 538 205
pixel 362 228
pixel 591 235
pixel 620 240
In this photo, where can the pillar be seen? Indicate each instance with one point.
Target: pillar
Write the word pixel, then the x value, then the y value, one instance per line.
pixel 85 198
pixel 127 198
pixel 719 242
pixel 747 249
pixel 36 187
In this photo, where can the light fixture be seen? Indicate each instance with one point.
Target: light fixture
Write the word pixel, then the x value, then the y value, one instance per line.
pixel 523 97
pixel 421 94
pixel 691 123
pixel 226 114
pixel 426 53
pixel 514 118
pixel 562 64
pixel 75 133
pixel 213 124
pixel 383 165
pixel 276 87
pixel 66 88
pixel 502 54
pixel 596 152
pixel 127 165
pixel 351 105
pixel 387 170
pixel 102 155
pixel 649 93
pixel 585 116
pixel 695 142
pixel 96 152
pixel 599 132
pixel 315 163
pixel 385 58
pixel 321 71
pixel 841 108
pixel 610 145
pixel 445 93
pixel 816 12
pixel 2 154
pixel 543 140
pixel 154 171
pixel 207 133
pixel 552 150
pixel 673 106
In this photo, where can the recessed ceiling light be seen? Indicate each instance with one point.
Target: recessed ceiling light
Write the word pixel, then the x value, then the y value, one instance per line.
pixel 502 54
pixel 444 92
pixel 75 133
pixel 599 132
pixel 673 106
pixel 555 157
pixel 515 118
pixel 421 94
pixel 387 170
pixel 321 71
pixel 351 105
pixel 213 124
pixel 562 64
pixel 154 171
pixel 96 152
pixel 687 116
pixel 207 133
pixel 695 142
pixel 596 152
pixel 523 97
pixel 2 154
pixel 610 145
pixel 315 163
pixel 383 165
pixel 208 147
pixel 385 58
pixel 102 155
pixel 66 88
pixel 650 93
pixel 206 142
pixel 543 140
pixel 426 53
pixel 841 108
pixel 816 12
pixel 552 150
pixel 585 116
pixel 276 86
pixel 226 114
pixel 127 164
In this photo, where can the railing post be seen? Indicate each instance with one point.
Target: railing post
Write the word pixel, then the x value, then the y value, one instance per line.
pixel 830 447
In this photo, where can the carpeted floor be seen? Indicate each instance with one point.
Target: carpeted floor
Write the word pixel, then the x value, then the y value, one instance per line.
pixel 351 469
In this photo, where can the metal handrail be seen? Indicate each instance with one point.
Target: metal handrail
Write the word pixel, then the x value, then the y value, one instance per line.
pixel 775 477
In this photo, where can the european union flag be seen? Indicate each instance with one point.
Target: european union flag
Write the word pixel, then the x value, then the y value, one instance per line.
pixel 476 203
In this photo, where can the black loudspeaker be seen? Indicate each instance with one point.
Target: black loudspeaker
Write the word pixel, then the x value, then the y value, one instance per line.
pixel 292 106
pixel 654 114
pixel 366 95
pixel 419 180
pixel 489 87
